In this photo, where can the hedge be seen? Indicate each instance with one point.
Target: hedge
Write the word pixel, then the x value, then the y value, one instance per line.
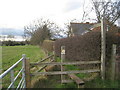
pixel 87 46
pixel 48 45
pixel 13 43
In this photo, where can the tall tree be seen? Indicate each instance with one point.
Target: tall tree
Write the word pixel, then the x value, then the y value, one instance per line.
pixel 41 30
pixel 105 8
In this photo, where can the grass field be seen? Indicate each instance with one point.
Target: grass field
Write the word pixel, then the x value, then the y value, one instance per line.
pixel 11 54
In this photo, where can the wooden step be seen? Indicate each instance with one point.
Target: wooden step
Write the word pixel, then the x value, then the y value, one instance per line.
pixel 76 79
pixel 67 81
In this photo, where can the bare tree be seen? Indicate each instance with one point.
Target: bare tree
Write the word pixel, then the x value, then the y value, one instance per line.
pixel 41 30
pixel 3 38
pixel 10 37
pixel 67 30
pixel 107 9
pixel 104 8
pixel 86 12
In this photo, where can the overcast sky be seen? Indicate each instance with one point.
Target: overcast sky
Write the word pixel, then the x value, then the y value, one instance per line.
pixel 18 13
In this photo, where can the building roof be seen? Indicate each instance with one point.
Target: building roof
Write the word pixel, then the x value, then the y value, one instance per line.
pixel 80 28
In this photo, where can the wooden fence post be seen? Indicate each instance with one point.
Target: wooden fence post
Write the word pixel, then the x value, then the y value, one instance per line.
pixel 62 59
pixel 113 60
pixel 103 48
pixel 27 73
pixel 117 71
pixel 54 57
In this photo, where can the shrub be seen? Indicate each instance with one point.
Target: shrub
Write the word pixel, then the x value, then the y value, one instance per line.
pixel 12 43
pixel 80 47
pixel 87 46
pixel 48 45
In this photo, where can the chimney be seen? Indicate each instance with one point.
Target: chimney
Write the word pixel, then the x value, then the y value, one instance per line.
pixel 87 22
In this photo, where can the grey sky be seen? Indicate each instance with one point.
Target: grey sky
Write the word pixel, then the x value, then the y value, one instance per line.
pixel 73 4
pixel 18 13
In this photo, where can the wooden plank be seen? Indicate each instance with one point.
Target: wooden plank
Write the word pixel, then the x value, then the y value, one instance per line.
pixel 65 72
pixel 67 81
pixel 76 79
pixel 45 58
pixel 43 67
pixel 66 63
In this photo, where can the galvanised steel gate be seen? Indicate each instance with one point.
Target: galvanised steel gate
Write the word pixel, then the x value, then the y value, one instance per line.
pixel 22 82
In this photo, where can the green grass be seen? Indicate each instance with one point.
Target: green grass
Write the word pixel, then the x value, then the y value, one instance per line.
pixel 67 85
pixel 11 54
pixel 83 75
pixel 71 67
pixel 99 83
pixel 58 59
pixel 96 83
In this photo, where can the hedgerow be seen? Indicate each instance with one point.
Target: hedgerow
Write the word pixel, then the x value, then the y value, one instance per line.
pixel 88 46
pixel 48 45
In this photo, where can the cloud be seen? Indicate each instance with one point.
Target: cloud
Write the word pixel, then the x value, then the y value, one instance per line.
pixel 19 13
pixel 73 5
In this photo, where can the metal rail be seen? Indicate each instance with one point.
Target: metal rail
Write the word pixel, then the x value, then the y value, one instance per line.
pixel 11 71
pixel 11 68
pixel 15 78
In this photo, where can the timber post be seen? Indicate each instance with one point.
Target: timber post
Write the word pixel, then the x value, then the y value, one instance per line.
pixel 62 59
pixel 113 60
pixel 117 73
pixel 54 57
pixel 27 73
pixel 103 48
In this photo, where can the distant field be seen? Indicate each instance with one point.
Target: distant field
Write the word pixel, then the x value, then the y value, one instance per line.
pixel 11 54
